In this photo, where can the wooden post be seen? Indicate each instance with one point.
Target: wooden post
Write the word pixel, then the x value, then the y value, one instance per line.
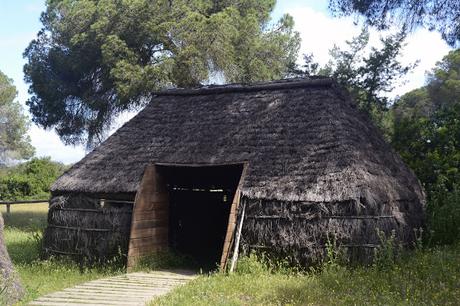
pixel 232 222
pixel 8 208
pixel 237 241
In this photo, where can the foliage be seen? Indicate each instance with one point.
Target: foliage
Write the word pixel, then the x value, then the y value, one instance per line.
pixel 440 15
pixel 30 180
pixel 261 262
pixel 431 148
pixel 94 59
pixel 335 255
pixel 14 141
pixel 427 136
pixel 369 74
pixel 388 251
pixel 444 217
pixel 428 277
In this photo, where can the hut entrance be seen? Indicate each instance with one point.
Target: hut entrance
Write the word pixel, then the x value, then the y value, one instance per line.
pixel 200 200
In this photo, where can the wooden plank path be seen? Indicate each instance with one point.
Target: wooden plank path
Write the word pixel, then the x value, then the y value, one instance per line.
pixel 129 289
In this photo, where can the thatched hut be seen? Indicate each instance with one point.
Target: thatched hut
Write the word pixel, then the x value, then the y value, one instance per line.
pixel 297 156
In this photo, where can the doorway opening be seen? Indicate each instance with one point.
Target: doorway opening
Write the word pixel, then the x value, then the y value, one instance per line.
pixel 200 199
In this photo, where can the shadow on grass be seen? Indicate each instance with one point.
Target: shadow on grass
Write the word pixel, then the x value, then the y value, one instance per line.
pixel 24 251
pixel 26 220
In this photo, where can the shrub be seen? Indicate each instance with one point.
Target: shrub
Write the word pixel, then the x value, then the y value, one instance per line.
pixel 251 264
pixel 388 252
pixel 443 212
pixel 31 179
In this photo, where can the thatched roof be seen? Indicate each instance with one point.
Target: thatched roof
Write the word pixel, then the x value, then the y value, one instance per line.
pixel 303 140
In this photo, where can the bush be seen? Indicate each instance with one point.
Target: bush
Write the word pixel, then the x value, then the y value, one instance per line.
pixel 15 187
pixel 443 212
pixel 251 264
pixel 30 180
pixel 430 146
pixel 388 252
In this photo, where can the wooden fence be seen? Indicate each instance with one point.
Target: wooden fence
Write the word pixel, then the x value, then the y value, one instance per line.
pixel 9 203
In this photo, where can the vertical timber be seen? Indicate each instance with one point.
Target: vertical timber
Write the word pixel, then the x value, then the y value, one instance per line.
pixel 232 222
pixel 150 218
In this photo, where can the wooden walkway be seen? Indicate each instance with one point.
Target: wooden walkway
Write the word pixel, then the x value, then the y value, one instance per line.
pixel 128 289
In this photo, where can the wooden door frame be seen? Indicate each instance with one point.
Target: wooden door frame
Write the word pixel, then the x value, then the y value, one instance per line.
pixel 150 217
pixel 232 218
pixel 146 202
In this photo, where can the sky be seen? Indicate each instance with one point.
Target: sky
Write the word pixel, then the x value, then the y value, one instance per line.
pixel 19 24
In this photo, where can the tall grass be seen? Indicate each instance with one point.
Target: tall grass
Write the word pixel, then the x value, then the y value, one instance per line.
pixel 422 277
pixel 443 217
pixel 23 229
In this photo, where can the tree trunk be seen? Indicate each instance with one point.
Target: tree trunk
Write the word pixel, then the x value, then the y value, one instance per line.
pixel 10 288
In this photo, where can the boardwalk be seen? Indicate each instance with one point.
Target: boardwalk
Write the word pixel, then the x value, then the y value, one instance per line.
pixel 128 289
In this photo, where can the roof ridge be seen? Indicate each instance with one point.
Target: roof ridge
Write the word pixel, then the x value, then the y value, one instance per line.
pixel 240 87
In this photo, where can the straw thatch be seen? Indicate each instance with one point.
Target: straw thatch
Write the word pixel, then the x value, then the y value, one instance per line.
pixel 87 228
pixel 312 158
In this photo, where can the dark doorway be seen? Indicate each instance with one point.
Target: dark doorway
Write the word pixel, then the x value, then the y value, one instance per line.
pixel 200 199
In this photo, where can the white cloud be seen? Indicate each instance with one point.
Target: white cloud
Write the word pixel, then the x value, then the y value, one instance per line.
pixel 319 33
pixel 122 119
pixel 47 143
pixel 34 7
pixel 426 47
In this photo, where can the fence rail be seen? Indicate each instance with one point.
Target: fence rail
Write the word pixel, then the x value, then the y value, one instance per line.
pixel 9 203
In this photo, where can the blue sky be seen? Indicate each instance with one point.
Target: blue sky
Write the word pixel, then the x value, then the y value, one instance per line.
pixel 19 23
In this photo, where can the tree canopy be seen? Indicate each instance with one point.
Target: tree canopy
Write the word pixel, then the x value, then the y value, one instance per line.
pixel 440 15
pixel 14 141
pixel 94 59
pixel 369 73
pixel 427 135
pixel 441 92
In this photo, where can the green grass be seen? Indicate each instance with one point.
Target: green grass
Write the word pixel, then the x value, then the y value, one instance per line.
pixel 430 277
pixel 26 217
pixel 23 228
pixel 421 277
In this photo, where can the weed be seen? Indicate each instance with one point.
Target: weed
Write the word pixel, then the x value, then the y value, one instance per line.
pixel 388 252
pixel 252 264
pixel 261 262
pixel 443 217
pixel 335 255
